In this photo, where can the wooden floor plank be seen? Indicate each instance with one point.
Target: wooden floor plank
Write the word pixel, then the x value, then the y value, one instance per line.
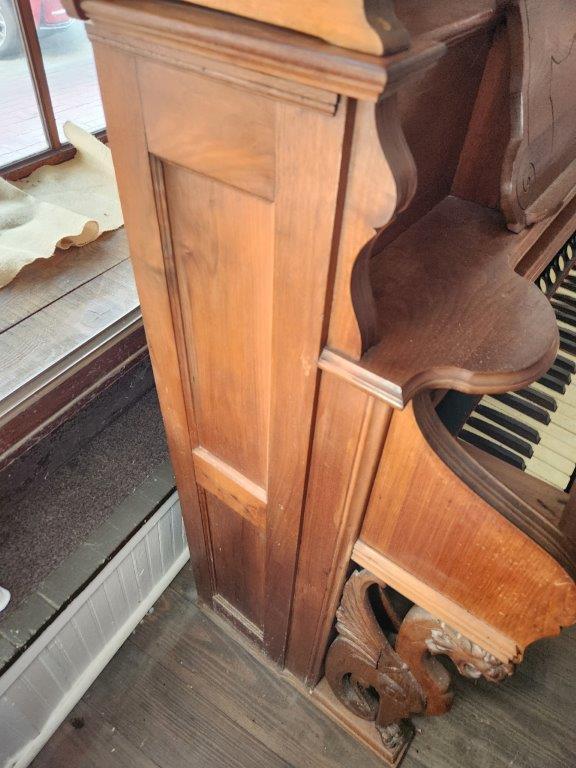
pixel 167 719
pixel 48 336
pixel 182 693
pixel 46 280
pixel 214 666
pixel 86 739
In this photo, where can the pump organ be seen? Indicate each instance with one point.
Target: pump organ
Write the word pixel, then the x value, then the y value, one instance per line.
pixel 337 212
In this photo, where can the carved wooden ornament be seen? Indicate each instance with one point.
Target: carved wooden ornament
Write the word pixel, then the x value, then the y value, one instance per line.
pixel 378 682
pixel 539 171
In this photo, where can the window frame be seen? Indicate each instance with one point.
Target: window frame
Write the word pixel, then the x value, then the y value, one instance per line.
pixel 57 151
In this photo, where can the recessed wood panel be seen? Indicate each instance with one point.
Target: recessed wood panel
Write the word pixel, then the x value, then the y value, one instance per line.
pixel 238 549
pixel 222 243
pixel 208 127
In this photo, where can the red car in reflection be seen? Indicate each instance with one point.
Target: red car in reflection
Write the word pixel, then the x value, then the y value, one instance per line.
pixel 49 15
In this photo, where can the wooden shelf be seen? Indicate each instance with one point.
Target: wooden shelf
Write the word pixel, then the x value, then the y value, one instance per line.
pixel 452 311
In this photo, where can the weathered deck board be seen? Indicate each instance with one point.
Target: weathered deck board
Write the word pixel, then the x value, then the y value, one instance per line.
pixel 47 280
pixel 181 694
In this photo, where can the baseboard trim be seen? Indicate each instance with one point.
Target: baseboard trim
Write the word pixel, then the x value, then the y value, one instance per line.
pixel 44 684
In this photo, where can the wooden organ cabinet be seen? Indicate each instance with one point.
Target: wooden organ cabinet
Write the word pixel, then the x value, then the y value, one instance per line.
pixel 351 223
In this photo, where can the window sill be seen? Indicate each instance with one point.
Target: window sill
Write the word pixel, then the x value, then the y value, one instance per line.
pixel 68 326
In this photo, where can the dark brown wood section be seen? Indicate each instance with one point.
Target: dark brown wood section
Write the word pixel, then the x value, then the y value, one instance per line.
pixel 181 694
pixel 441 323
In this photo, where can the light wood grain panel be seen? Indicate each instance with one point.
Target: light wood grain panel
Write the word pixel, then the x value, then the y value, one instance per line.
pixel 305 212
pixel 350 429
pixel 231 487
pixel 223 133
pixel 125 124
pixel 426 520
pixel 222 240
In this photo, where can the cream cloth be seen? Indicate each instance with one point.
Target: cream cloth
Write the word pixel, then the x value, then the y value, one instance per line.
pixel 58 206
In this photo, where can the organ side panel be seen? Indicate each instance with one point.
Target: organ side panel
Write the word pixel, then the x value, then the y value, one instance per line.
pixel 240 185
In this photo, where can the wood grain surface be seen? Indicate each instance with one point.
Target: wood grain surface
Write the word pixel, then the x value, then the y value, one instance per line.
pixel 181 694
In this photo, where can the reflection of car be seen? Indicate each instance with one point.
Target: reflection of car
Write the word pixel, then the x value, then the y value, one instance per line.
pixel 48 14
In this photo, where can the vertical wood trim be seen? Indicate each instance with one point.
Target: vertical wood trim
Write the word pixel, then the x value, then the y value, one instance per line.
pixel 36 62
pixel 304 225
pixel 351 447
pixel 173 283
pixel 133 170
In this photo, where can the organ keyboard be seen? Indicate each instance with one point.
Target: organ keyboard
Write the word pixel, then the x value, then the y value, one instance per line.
pixel 534 429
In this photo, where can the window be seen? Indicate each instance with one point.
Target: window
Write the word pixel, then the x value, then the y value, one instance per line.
pixel 47 76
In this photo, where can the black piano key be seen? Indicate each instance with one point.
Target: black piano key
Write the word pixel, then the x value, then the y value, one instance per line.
pixel 568 335
pixel 564 308
pixel 564 362
pixel 565 299
pixel 496 433
pixel 559 373
pixel 493 448
pixel 555 385
pixel 567 346
pixel 569 280
pixel 509 422
pixel 540 398
pixel 565 317
pixel 523 406
pixel 564 313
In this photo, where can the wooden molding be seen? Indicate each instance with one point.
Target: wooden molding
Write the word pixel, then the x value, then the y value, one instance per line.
pixel 370 26
pixel 501 646
pixel 175 31
pixel 449 286
pixel 230 486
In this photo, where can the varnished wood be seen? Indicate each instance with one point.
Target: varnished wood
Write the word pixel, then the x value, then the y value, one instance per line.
pixel 230 486
pixel 412 485
pixel 372 27
pixel 139 209
pixel 539 171
pixel 403 671
pixel 443 283
pixel 350 432
pixel 320 234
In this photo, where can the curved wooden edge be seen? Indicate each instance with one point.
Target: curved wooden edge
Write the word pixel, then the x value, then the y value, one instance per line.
pixel 369 26
pixel 482 553
pixel 532 189
pixel 526 518
pixel 398 396
pixel 451 312
pixel 189 30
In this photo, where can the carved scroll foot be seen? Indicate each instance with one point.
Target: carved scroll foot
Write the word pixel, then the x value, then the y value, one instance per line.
pixel 383 669
pixel 364 671
pixel 422 637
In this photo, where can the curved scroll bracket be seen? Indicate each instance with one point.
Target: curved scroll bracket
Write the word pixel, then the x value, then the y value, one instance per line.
pixel 380 181
pixel 386 684
pixel 363 670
